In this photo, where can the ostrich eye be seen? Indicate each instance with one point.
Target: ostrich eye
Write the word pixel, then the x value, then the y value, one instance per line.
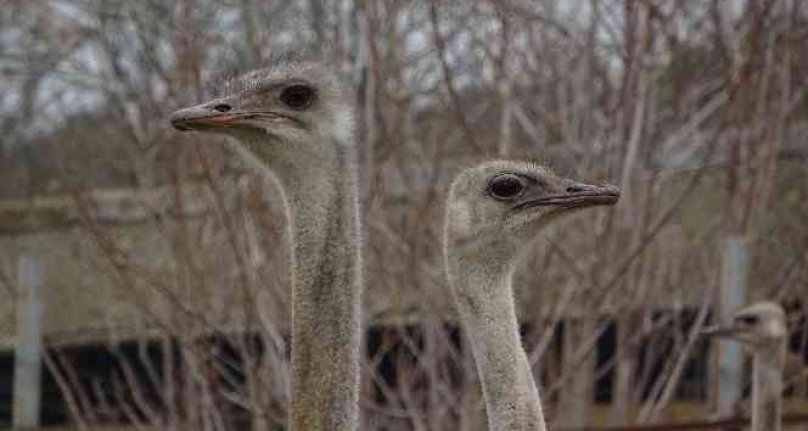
pixel 297 96
pixel 747 320
pixel 505 186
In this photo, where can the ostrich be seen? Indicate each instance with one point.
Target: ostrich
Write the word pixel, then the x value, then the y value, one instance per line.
pixel 761 327
pixel 295 119
pixel 494 210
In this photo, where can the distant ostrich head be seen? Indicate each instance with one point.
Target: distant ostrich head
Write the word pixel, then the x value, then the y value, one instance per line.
pixel 292 108
pixel 757 325
pixel 504 203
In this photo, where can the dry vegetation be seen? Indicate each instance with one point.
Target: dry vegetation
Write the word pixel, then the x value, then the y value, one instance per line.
pixel 697 110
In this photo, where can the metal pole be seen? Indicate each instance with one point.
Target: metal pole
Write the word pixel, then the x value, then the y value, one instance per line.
pixel 27 361
pixel 734 275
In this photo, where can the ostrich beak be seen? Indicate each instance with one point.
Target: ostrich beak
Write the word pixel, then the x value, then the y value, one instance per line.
pixel 588 194
pixel 722 331
pixel 205 116
pixel 573 195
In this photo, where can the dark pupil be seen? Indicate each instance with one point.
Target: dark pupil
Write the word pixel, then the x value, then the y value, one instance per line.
pixel 506 187
pixel 298 96
pixel 748 320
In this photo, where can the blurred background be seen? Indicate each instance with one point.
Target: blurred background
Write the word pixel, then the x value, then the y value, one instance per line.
pixel 143 278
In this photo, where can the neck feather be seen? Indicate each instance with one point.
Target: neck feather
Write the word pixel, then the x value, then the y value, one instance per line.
pixel 484 297
pixel 767 387
pixel 325 229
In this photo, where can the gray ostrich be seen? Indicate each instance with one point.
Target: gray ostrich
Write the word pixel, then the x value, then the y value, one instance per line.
pixel 295 119
pixel 494 210
pixel 761 328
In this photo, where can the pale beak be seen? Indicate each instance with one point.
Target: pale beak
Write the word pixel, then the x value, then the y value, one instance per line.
pixel 720 331
pixel 205 116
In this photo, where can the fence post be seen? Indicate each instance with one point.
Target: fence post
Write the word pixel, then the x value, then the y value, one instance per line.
pixel 734 274
pixel 27 361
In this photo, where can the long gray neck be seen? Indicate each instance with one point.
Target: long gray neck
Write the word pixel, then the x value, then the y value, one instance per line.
pixel 767 386
pixel 484 297
pixel 326 301
pixel 322 199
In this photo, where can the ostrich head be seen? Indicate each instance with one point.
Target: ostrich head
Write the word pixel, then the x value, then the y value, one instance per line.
pixel 757 325
pixel 499 206
pixel 291 113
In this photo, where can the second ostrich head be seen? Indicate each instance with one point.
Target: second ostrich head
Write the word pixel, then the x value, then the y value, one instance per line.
pixel 494 210
pixel 502 204
pixel 756 326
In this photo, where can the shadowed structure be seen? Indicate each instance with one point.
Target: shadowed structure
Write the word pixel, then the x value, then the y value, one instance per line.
pixel 295 119
pixel 761 328
pixel 494 210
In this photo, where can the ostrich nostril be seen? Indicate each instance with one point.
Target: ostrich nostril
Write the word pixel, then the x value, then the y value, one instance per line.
pixel 575 188
pixel 222 107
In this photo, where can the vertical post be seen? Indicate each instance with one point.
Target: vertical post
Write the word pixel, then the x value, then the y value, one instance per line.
pixel 626 367
pixel 734 271
pixel 252 50
pixel 577 394
pixel 367 105
pixel 27 362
